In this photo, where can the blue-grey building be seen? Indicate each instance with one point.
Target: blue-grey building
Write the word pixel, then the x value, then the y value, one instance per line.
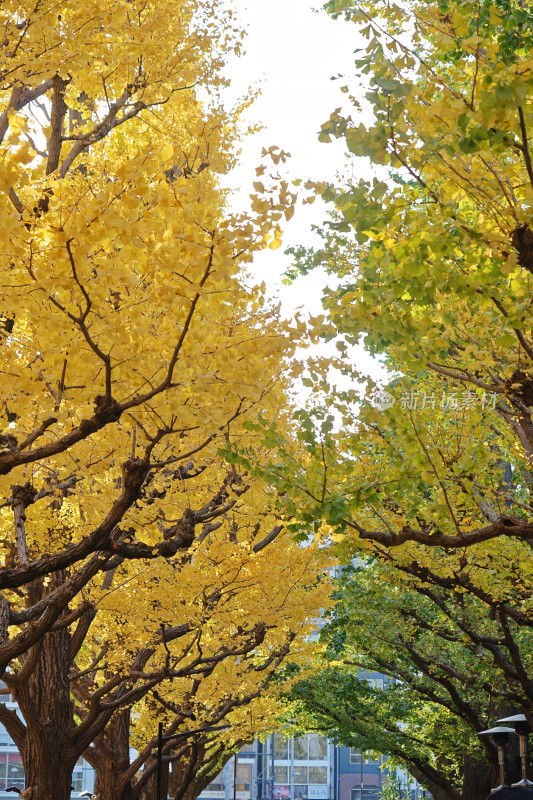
pixel 308 767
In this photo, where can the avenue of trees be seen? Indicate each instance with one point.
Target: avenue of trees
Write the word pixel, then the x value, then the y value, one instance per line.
pixel 155 479
pixel 140 573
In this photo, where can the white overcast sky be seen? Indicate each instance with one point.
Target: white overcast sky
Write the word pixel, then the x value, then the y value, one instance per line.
pixel 291 53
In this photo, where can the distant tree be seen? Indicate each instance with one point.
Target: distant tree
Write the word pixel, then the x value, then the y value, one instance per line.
pixel 452 666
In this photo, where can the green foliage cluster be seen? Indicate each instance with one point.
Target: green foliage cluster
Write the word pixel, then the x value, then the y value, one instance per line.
pixel 431 491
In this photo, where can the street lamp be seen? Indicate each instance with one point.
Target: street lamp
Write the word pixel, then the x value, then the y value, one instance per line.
pixel 184 735
pixel 501 736
pixel 523 729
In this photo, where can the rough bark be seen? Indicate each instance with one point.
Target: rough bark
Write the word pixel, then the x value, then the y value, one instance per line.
pixel 149 790
pixel 184 781
pixel 113 760
pixel 44 699
pixel 476 779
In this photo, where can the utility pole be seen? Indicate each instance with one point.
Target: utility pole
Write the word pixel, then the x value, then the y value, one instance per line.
pixel 272 754
pixel 159 759
pixel 259 772
pixel 291 776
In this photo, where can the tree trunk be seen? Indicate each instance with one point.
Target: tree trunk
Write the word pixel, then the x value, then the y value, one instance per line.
pixel 437 791
pixel 108 786
pixel 184 783
pixel 149 790
pixel 49 775
pixel 476 779
pixel 113 762
pixel 45 703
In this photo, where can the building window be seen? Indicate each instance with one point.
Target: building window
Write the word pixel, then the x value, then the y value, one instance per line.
pixel 372 793
pixel 15 770
pixel 301 752
pixel 281 775
pixel 11 770
pixel 281 747
pixel 244 778
pixel 368 757
pixel 318 774
pixel 217 785
pixel 318 747
pixel 77 781
pixel 300 774
pixel 5 738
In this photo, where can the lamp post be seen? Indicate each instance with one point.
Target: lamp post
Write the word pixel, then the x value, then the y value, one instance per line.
pixel 523 729
pixel 501 736
pixel 183 735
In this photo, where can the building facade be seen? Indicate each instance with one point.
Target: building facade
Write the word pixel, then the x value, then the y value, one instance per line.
pixel 309 767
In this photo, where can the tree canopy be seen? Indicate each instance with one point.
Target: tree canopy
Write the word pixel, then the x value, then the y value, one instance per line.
pixel 432 275
pixel 428 476
pixel 452 666
pixel 135 348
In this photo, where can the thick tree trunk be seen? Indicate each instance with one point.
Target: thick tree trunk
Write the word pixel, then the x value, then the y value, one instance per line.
pixel 45 702
pixel 108 786
pixel 43 694
pixel 476 779
pixel 476 784
pixel 47 773
pixel 184 781
pixel 114 760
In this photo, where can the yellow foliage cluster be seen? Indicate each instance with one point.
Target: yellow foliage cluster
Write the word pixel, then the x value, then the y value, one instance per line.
pixel 133 349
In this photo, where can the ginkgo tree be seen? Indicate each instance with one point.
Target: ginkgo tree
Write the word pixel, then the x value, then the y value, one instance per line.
pixel 452 663
pixel 434 260
pixel 133 349
pixel 191 645
pixel 433 256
